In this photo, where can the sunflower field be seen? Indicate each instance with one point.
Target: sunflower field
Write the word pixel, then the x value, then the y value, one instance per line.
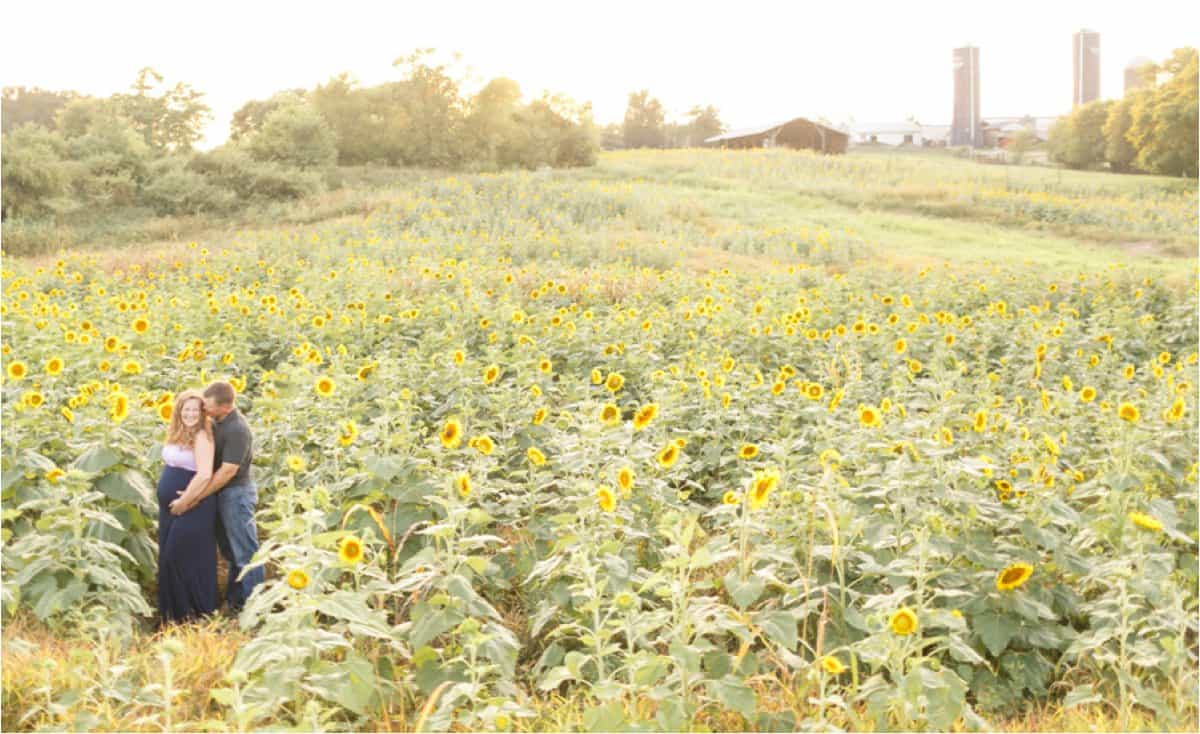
pixel 511 461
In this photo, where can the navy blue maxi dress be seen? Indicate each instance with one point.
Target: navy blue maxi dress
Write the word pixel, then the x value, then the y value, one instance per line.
pixel 187 552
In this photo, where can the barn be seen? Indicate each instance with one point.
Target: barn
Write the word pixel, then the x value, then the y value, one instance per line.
pixel 799 132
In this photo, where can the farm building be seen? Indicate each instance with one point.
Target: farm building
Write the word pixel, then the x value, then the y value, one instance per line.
pixel 799 132
pixel 999 131
pixel 887 133
pixel 935 136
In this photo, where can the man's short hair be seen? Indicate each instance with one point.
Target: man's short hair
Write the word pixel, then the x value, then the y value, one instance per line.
pixel 222 393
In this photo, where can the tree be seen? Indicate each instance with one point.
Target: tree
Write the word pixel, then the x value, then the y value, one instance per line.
pixel 1163 125
pixel 1022 142
pixel 20 106
pixel 643 126
pixel 295 134
pixel 250 116
pixel 1118 151
pixel 703 123
pixel 429 99
pixel 168 121
pixel 32 171
pixel 1077 140
pixel 612 136
pixel 491 125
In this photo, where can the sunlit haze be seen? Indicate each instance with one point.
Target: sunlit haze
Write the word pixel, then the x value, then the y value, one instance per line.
pixel 756 62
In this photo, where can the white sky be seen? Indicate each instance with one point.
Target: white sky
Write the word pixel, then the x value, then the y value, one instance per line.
pixel 755 61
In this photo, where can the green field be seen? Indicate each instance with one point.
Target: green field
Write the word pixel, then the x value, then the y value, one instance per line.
pixel 687 440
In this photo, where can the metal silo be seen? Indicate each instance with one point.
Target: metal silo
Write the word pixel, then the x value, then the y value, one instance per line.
pixel 965 127
pixel 1085 50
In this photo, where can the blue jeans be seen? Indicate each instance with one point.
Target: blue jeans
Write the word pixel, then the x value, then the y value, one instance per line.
pixel 237 537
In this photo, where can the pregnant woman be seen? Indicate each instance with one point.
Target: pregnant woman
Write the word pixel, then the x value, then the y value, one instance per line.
pixel 187 546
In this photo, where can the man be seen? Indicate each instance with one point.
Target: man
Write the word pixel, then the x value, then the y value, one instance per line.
pixel 237 535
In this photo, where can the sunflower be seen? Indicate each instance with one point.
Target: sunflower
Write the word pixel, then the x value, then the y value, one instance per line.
pixel 668 455
pixel 730 498
pixel 1142 520
pixel 644 416
pixel 1176 411
pixel 545 366
pixel 869 416
pixel 365 371
pixel 830 458
pixel 1051 445
pixel 1087 394
pixel 625 479
pixel 1128 371
pixel 915 366
pixel 451 433
pixel 832 665
pixel 463 484
pixel 349 433
pixel 900 346
pixel 491 373
pixel 483 444
pixel 350 549
pixel 459 356
pixel 67 415
pixel 33 399
pixel 539 415
pixel 1013 576
pixel 296 463
pixel 535 456
pixel 119 410
pixel 760 488
pixel 132 367
pixel 980 422
pixel 610 415
pixel 54 475
pixel 297 578
pixel 903 621
pixel 606 499
pixel 597 377
pixel 325 386
pixel 1129 412
pixel 747 451
pixel 614 382
pixel 54 366
pixel 814 391
pixel 165 411
pixel 946 436
pixel 17 369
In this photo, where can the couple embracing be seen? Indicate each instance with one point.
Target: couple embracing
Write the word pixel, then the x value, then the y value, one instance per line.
pixel 206 501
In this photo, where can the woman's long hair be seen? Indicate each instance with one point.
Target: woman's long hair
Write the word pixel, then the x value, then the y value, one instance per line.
pixel 177 432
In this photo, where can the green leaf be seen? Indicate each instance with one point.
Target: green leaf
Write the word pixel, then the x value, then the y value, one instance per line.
pixel 743 593
pixel 1079 696
pixel 223 696
pixel 605 717
pixel 995 630
pixel 779 627
pixel 129 486
pixel 384 467
pixel 349 683
pixel 97 459
pixel 734 694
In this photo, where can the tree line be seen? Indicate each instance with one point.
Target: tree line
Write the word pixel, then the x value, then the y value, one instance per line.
pixel 1151 130
pixel 645 126
pixel 65 152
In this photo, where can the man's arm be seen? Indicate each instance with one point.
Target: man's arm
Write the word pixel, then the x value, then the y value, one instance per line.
pixel 220 479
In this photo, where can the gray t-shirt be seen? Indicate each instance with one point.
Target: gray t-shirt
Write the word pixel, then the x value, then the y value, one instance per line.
pixel 233 445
